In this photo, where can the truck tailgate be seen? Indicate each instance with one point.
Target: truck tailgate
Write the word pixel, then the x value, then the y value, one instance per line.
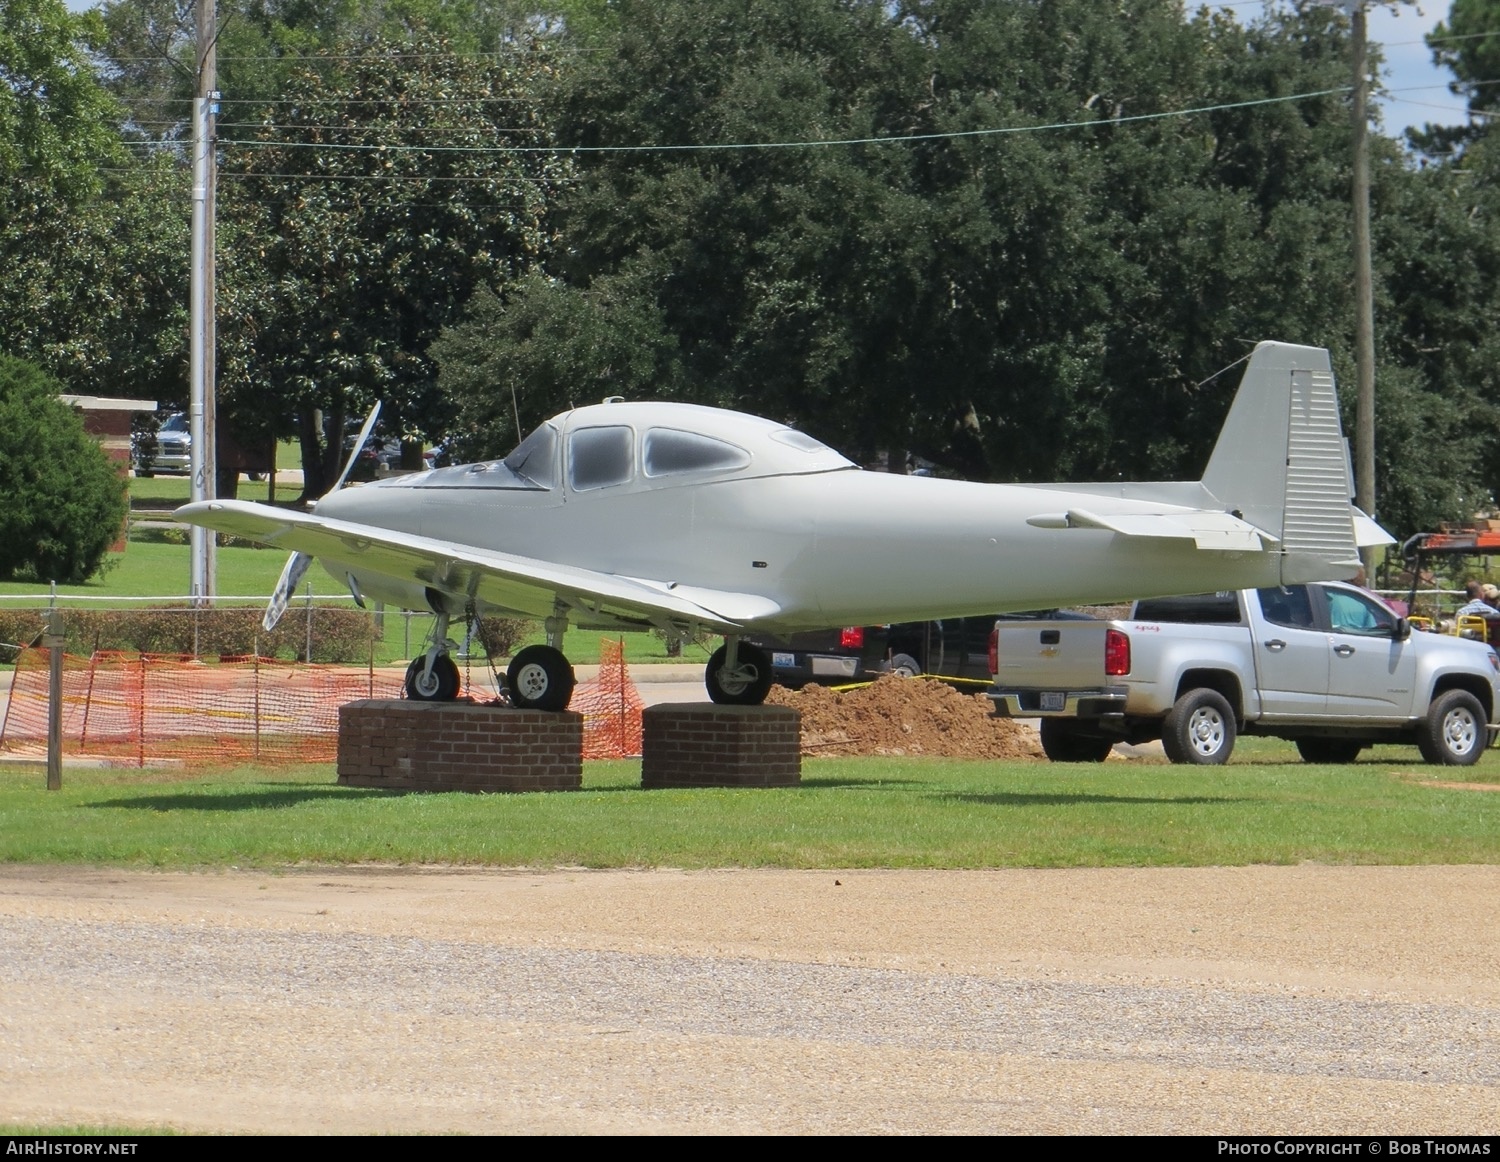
pixel 1060 655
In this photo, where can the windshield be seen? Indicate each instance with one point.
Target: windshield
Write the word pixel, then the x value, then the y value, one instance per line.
pixel 535 457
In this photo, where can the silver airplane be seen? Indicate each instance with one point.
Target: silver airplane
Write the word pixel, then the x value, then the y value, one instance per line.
pixel 698 520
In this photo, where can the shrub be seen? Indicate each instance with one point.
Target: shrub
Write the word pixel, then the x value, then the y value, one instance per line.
pixel 64 502
pixel 338 635
pixel 501 635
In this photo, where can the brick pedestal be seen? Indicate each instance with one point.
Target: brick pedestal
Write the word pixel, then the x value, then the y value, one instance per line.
pixel 701 744
pixel 458 746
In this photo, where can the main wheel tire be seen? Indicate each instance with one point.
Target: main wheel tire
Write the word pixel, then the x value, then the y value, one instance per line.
pixel 441 685
pixel 1454 732
pixel 1329 750
pixel 1200 729
pixel 748 685
pixel 540 678
pixel 905 666
pixel 1063 742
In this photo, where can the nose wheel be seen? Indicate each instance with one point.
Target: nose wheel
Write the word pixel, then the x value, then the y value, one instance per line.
pixel 743 681
pixel 438 683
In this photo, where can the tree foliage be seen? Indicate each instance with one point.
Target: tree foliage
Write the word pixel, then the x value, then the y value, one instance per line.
pixel 91 270
pixel 981 260
pixel 64 500
pixel 388 181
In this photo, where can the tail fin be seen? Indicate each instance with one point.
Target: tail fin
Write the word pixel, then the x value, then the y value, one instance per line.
pixel 1281 463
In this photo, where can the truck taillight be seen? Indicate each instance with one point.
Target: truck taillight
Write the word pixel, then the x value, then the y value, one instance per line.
pixel 994 651
pixel 852 637
pixel 1116 653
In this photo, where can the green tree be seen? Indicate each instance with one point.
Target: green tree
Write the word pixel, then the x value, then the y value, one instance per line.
pixel 1011 305
pixel 387 182
pixel 64 501
pixel 1468 44
pixel 91 270
pixel 1023 305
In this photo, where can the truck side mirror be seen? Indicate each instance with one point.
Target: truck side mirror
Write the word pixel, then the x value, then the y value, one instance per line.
pixel 1402 629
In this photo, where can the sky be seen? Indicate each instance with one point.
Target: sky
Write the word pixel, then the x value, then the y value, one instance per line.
pixel 1417 89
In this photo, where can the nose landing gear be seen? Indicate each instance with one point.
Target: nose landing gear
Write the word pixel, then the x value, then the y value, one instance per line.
pixel 738 674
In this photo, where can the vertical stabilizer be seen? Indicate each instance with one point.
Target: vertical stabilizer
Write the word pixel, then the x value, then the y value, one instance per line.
pixel 1280 461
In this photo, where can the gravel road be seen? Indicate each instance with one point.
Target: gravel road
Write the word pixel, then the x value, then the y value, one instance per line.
pixel 1319 1000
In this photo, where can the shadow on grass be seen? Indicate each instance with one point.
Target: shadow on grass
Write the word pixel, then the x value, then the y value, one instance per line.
pixel 845 784
pixel 275 795
pixel 1055 799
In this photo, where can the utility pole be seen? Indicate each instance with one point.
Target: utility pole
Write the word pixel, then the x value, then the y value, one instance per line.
pixel 1364 296
pixel 202 412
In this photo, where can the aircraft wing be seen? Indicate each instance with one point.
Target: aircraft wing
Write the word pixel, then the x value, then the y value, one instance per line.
pixel 1207 530
pixel 524 585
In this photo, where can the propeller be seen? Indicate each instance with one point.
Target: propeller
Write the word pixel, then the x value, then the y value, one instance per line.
pixel 297 564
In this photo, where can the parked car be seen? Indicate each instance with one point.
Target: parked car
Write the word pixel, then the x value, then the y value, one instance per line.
pixel 954 648
pixel 173 453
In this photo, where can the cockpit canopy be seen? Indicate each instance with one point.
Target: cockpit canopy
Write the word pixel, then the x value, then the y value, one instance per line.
pixel 655 444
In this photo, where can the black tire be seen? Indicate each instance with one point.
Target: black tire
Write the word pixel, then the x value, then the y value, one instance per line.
pixel 540 678
pixel 1329 750
pixel 441 685
pixel 1454 732
pixel 905 666
pixel 1063 742
pixel 749 687
pixel 1200 729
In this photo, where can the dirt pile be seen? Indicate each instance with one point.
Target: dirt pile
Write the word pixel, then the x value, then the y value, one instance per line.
pixel 904 716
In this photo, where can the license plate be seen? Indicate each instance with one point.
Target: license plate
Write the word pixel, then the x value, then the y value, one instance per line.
pixel 784 661
pixel 1053 700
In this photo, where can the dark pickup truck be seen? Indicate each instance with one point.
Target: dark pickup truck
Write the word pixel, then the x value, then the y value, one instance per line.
pixel 956 649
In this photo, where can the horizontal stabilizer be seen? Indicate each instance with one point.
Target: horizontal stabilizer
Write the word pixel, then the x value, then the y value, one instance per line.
pixel 1208 530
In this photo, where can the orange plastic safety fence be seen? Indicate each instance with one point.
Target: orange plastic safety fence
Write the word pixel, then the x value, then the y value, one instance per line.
pixel 135 709
pixel 139 708
pixel 611 707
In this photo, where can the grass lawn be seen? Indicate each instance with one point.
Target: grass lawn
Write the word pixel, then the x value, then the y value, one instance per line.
pixel 870 812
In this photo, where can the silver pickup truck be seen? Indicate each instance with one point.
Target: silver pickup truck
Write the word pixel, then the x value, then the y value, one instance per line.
pixel 1331 667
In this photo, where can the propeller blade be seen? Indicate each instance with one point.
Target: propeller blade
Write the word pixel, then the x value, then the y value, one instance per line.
pixel 359 445
pixel 291 575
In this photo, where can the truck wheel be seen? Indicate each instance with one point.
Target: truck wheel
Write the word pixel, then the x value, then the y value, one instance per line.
pixel 1063 742
pixel 1199 729
pixel 1453 734
pixel 1328 750
pixel 905 666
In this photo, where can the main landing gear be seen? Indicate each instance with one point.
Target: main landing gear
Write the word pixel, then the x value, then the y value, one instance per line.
pixel 538 678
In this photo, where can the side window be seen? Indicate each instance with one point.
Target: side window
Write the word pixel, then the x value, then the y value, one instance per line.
pixel 670 453
pixel 1289 607
pixel 1353 613
pixel 599 457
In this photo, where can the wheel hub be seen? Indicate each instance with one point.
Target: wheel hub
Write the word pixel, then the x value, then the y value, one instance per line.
pixel 532 681
pixel 1459 732
pixel 1207 732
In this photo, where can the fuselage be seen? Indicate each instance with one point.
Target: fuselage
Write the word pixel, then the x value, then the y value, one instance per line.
pixel 714 500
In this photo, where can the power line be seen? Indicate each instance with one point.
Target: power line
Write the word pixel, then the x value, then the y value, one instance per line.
pixel 810 144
